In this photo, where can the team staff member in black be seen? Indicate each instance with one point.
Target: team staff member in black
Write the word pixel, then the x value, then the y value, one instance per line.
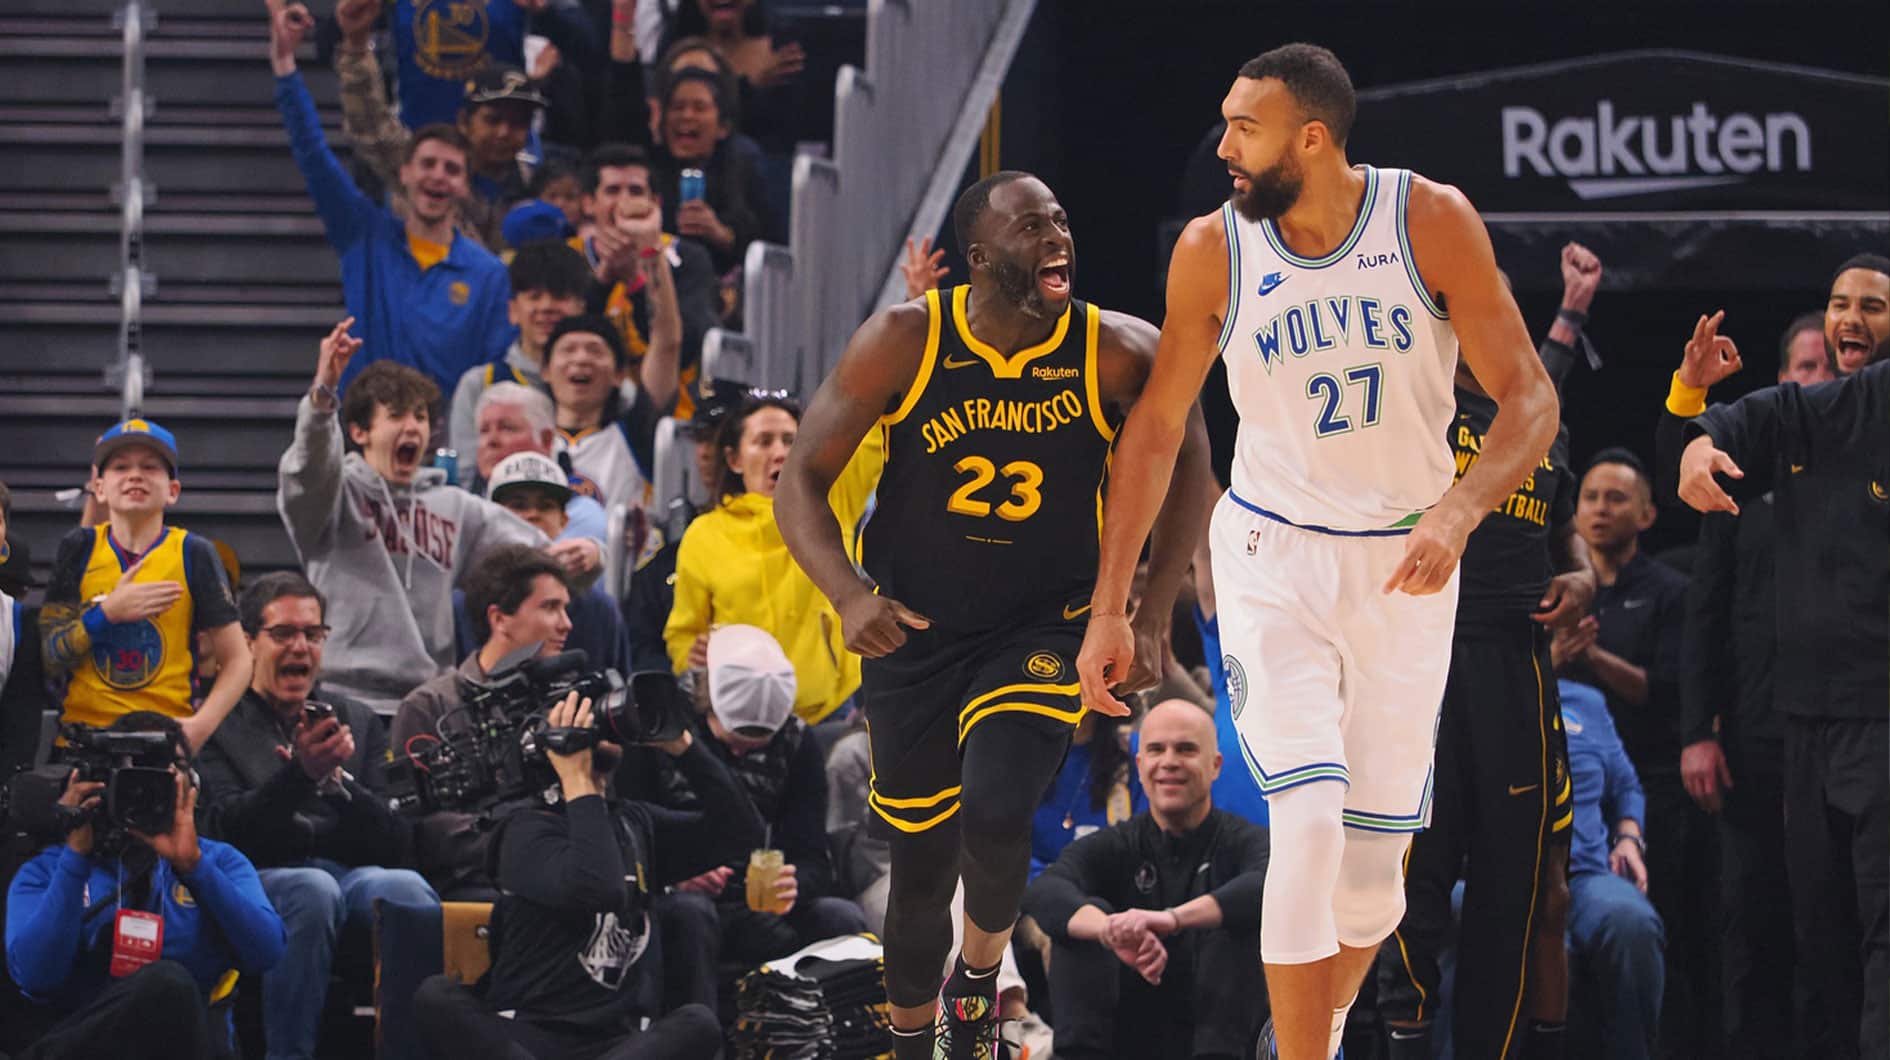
pixel 999 402
pixel 1502 798
pixel 572 924
pixel 1732 757
pixel 1825 450
pixel 1155 922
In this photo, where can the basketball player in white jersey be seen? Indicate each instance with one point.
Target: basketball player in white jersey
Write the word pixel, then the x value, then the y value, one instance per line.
pixel 1338 295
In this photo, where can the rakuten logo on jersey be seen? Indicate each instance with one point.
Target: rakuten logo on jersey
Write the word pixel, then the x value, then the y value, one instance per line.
pixel 1613 155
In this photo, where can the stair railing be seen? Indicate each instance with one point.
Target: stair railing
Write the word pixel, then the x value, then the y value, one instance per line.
pixel 129 372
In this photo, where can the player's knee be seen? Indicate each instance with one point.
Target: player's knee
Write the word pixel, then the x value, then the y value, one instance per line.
pixel 991 819
pixel 1296 921
pixel 1368 901
pixel 1307 821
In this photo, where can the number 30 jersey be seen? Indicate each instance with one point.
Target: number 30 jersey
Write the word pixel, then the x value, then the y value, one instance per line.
pixel 1341 368
pixel 990 504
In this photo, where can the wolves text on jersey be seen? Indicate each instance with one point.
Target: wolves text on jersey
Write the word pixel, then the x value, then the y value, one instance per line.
pixel 1328 323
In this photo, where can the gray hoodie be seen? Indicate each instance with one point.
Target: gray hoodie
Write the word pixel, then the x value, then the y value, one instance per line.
pixel 385 556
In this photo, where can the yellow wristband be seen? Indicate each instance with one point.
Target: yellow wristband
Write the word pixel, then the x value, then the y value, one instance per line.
pixel 1685 401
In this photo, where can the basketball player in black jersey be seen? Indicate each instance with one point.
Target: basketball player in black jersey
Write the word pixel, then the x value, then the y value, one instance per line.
pixel 999 401
pixel 1503 801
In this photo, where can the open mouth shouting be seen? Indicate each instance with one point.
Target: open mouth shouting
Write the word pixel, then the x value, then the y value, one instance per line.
pixel 1853 347
pixel 407 456
pixel 1053 277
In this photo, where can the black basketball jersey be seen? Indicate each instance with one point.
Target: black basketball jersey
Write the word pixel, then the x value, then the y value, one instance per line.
pixel 990 504
pixel 1506 564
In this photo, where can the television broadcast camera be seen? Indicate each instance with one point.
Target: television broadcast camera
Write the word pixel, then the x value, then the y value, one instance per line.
pixel 135 766
pixel 493 748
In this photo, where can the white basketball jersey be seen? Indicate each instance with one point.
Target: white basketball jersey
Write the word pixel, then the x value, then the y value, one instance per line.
pixel 1341 369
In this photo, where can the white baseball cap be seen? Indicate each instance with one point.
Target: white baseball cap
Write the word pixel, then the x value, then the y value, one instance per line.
pixel 751 682
pixel 528 469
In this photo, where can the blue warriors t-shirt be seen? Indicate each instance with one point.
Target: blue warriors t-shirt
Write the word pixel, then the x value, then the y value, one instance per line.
pixel 442 43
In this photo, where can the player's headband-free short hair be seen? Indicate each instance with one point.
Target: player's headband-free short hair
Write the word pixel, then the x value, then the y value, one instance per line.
pixel 976 199
pixel 1317 80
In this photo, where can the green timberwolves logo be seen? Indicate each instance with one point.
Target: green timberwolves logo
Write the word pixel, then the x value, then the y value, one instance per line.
pixel 129 655
pixel 1236 684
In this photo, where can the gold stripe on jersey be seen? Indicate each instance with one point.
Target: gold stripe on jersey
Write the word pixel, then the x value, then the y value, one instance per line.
pixel 1092 328
pixel 911 826
pixel 918 803
pixel 933 313
pixel 1002 367
pixel 976 711
pixel 886 807
pixel 1069 717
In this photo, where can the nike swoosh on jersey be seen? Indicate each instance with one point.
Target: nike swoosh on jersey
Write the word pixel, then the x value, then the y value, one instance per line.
pixel 1632 604
pixel 1514 790
pixel 949 363
pixel 1270 282
pixel 1071 612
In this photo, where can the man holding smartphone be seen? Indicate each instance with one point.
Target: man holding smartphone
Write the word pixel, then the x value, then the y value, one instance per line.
pixel 294 779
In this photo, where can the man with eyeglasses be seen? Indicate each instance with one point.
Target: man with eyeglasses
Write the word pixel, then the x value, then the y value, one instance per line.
pixel 294 779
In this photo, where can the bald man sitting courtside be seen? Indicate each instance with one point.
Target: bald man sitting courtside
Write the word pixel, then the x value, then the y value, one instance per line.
pixel 1155 922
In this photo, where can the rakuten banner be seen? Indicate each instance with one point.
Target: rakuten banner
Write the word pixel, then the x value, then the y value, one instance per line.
pixel 1724 158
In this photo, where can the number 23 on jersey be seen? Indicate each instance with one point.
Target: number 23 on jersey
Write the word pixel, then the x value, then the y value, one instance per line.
pixel 1024 478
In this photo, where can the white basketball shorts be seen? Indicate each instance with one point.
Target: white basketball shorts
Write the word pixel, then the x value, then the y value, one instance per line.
pixel 1328 676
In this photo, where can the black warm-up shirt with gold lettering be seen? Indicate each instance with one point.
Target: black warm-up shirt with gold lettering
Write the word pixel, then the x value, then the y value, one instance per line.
pixel 1506 563
pixel 990 504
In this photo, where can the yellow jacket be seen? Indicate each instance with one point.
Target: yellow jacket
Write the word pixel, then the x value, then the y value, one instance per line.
pixel 733 568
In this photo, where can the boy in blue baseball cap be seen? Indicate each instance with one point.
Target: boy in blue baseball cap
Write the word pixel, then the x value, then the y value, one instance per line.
pixel 129 595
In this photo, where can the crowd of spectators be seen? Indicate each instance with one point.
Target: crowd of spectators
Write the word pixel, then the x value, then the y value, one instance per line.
pixel 548 246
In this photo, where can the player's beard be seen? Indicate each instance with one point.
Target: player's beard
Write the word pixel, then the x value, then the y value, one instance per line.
pixel 1018 286
pixel 1272 191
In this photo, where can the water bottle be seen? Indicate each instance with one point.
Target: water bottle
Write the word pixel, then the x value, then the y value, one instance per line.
pixel 447 460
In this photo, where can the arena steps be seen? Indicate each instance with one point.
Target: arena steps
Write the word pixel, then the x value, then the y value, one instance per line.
pixel 245 281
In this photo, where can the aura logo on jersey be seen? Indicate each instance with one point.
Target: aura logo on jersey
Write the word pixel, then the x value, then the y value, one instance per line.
pixel 1327 323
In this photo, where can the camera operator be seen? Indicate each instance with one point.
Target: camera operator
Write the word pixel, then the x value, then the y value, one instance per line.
pixel 516 597
pixel 133 940
pixel 294 778
pixel 576 880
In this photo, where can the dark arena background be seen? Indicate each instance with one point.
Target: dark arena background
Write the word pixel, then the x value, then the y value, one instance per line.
pixel 382 380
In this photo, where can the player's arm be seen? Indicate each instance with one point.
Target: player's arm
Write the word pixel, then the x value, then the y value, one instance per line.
pixel 1125 353
pixel 1452 252
pixel 1147 446
pixel 880 362
pixel 1573 588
